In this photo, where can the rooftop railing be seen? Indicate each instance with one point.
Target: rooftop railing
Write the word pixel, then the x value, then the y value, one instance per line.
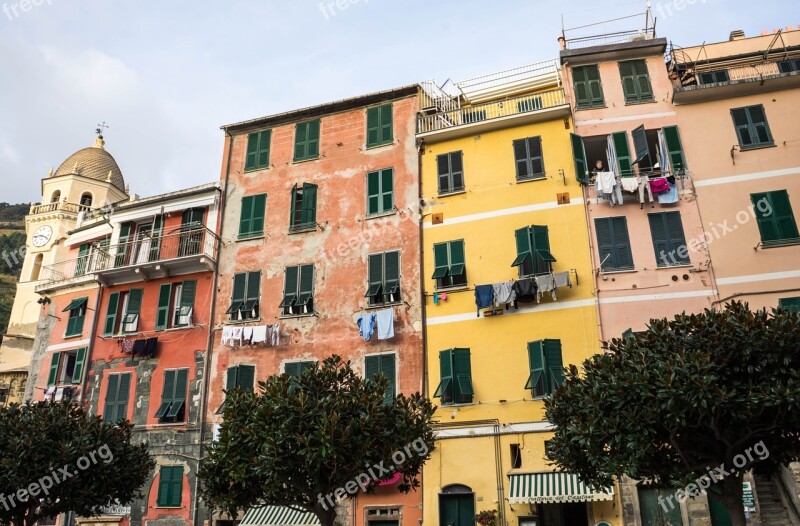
pixel 59 206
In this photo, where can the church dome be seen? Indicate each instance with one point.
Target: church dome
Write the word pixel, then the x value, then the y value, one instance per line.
pixel 93 162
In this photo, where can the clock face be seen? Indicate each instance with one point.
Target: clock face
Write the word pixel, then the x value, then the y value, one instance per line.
pixel 42 236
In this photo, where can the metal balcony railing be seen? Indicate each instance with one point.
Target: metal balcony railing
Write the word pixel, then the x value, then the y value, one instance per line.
pixel 619 37
pixel 151 249
pixel 490 110
pixel 59 206
pixel 509 76
pixel 691 77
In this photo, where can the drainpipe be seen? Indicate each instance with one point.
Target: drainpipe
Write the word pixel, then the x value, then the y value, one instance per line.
pixel 423 304
pixel 88 357
pixel 210 340
pixel 585 194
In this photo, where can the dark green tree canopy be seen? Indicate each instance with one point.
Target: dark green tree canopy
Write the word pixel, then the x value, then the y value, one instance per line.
pixel 301 438
pixel 86 462
pixel 683 397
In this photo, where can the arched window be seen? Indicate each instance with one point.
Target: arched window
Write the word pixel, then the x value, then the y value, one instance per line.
pixel 86 199
pixel 56 196
pixel 37 267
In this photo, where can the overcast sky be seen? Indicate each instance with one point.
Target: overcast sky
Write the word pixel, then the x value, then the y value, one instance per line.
pixel 166 75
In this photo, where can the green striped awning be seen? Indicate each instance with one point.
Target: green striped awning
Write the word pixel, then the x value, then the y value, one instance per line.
pixel 553 487
pixel 278 515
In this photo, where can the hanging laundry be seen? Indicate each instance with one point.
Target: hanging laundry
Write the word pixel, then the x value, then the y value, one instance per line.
pixel 150 347
pixel 504 293
pixel 435 298
pixel 670 196
pixel 385 320
pixel 525 290
pixel 561 279
pixel 366 325
pixel 630 184
pixel 127 346
pixel 443 296
pixel 545 283
pixel 138 347
pixel 259 334
pixel 659 185
pixel 644 185
pixel 484 295
pixel 247 335
pixel 275 334
pixel 609 188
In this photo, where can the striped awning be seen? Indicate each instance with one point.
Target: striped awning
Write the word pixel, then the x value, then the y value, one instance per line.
pixel 278 515
pixel 554 487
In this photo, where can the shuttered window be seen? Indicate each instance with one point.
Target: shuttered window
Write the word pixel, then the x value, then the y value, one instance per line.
pixel 77 314
pixel 245 296
pixel 789 66
pixel 251 217
pixel 295 369
pixel 752 127
pixel 579 155
pixel 775 218
pixel 529 159
pixel 383 278
pixel 175 304
pixel 640 147
pixel 303 215
pixel 383 364
pixel 546 367
pixel 239 377
pixel 450 170
pixel 669 241
pixel 455 386
pixel 677 160
pixel 66 367
pixel 379 125
pixel 306 140
pixel 623 154
pixel 790 304
pixel 170 486
pixel 133 307
pixel 613 243
pixel 635 81
pixel 533 251
pixel 714 77
pixel 117 394
pixel 258 145
pixel 110 322
pixel 380 191
pixel 588 88
pixel 449 264
pixel 173 397
pixel 298 291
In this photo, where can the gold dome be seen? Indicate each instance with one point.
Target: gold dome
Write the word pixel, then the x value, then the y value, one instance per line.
pixel 94 162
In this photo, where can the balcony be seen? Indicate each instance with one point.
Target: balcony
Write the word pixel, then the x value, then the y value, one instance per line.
pixel 60 206
pixel 479 118
pixel 708 82
pixel 611 39
pixel 177 252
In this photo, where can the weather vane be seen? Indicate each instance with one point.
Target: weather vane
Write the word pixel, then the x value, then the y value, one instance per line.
pixel 99 130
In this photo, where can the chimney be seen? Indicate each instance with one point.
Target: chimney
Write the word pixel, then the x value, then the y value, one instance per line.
pixel 736 34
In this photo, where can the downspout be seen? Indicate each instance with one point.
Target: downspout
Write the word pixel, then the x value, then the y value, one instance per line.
pixel 501 504
pixel 210 338
pixel 424 302
pixel 585 193
pixel 88 358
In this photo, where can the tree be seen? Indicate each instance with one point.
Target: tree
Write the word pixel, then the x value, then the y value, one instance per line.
pixel 55 457
pixel 306 441
pixel 686 397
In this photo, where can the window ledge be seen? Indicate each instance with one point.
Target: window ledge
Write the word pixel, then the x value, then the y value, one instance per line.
pixel 173 329
pixel 459 405
pixel 170 424
pixel 256 169
pixel 379 145
pixel 250 238
pixel 543 177
pixel 757 147
pixel 242 322
pixel 457 288
pixel 778 244
pixel 668 267
pixel 457 192
pixel 638 102
pixel 303 229
pixel 70 336
pixel 293 316
pixel 381 214
pixel 599 107
pixel 305 160
pixel 618 271
pixel 169 507
pixel 383 305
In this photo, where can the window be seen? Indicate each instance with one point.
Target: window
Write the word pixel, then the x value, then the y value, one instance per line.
pixel 380 191
pixel 449 268
pixel 528 158
pixel 37 267
pixel 56 197
pixel 751 127
pixel 175 304
pixel 451 173
pixel 131 306
pixel 298 290
pixel 588 89
pixel 789 66
pixel 635 81
pixel 533 251
pixel 790 304
pixel 258 150
pixel 516 456
pixel 379 125
pixel 579 153
pixel 66 367
pixel 251 218
pixel 86 199
pixel 669 242
pixel 382 364
pixel 622 154
pixel 77 313
pixel 170 487
pixel 613 243
pixel 672 141
pixel 245 296
pixel 775 218
pixel 714 77
pixel 383 278
pixel 304 208
pixel 117 393
pixel 547 370
pixel 239 377
pixel 296 369
pixel 306 140
pixel 82 262
pixel 173 397
pixel 455 386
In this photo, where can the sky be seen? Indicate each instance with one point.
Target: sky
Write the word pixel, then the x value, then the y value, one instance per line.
pixel 165 75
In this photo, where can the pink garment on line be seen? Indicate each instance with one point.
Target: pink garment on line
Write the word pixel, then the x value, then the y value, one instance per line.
pixel 659 185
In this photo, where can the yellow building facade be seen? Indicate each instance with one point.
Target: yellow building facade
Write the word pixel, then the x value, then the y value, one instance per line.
pixel 502 209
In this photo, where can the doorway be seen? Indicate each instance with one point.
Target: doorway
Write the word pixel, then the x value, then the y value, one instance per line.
pixel 457 506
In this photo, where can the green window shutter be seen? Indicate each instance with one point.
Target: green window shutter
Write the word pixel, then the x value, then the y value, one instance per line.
pixel 80 361
pixel 675 150
pixel 294 218
pixel 111 314
pixel 524 250
pixel 257 216
pixel 445 388
pixel 373 126
pixel 246 216
pixel 658 232
pixel 374 277
pixel 643 80
pixel 135 301
pixel 162 312
pixel 386 124
pixel 188 292
pixel 168 390
pixel 231 380
pixel 441 262
pixel 373 192
pixel 391 268
pixel 309 213
pixel 462 373
pixel 623 153
pixel 759 129
pixel 247 375
pixel 765 217
pixel 677 239
pixel 290 286
pixel 313 139
pixel 181 383
pixel 457 260
pixel 52 377
pixel 306 285
pixel 622 243
pixel 300 139
pixel 605 243
pixel 292 369
pixel 537 381
pixel 251 159
pixel 388 369
pixel 579 154
pixel 387 189
pixel 790 304
pixel 372 366
pixel 239 287
pixel 784 217
pixel 554 364
pixel 613 243
pixel 170 486
pixel 595 85
pixel 123 393
pixel 541 249
pixel 110 410
pixel 581 87
pixel 628 78
pixel 253 290
pixel 741 123
pixel 640 143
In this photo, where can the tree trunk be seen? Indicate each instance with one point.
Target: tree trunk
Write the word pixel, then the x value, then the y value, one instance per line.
pixel 732 498
pixel 326 516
